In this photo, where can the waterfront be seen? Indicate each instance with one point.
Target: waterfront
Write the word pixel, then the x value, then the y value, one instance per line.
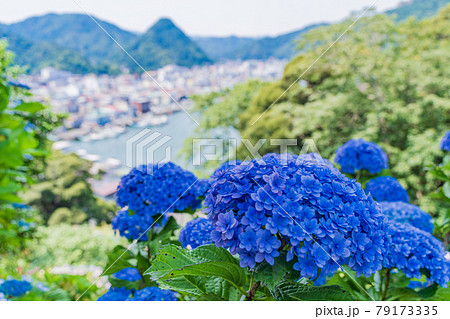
pixel 179 126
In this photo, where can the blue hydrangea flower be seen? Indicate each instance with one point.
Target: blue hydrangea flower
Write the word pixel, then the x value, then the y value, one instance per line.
pixel 115 294
pixel 445 142
pixel 413 249
pixel 197 232
pixel 15 288
pixel 319 160
pixel 226 165
pixel 407 213
pixel 291 202
pixel 145 197
pixel 387 189
pixel 358 154
pixel 154 294
pixel 413 284
pixel 202 187
pixel 129 274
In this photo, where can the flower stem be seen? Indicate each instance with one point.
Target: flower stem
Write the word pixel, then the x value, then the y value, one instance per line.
pixel 252 292
pixel 386 284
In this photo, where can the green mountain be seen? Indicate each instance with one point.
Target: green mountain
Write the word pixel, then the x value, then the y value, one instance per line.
pixel 418 8
pixel 74 42
pixel 222 48
pixel 35 56
pixel 162 44
pixel 281 47
pixel 77 32
pixel 237 48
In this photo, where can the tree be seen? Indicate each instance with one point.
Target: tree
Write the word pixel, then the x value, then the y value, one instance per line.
pixel 64 194
pixel 21 146
pixel 385 82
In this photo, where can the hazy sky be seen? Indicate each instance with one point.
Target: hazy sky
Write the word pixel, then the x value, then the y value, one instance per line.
pixel 201 17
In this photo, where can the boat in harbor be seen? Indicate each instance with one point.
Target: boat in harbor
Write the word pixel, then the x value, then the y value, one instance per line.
pixel 152 120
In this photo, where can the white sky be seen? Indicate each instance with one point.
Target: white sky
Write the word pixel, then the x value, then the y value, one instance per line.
pixel 201 17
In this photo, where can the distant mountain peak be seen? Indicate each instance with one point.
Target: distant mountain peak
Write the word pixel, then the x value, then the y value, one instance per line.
pixel 165 22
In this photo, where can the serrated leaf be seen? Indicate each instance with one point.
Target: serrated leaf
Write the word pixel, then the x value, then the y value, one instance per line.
pixel 272 275
pixel 208 260
pixel 290 291
pixel 206 269
pixel 210 297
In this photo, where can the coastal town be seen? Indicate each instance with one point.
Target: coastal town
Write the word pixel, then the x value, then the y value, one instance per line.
pixel 102 106
pixel 105 110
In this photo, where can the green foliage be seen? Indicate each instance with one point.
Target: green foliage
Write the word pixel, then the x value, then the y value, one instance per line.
pixel 212 273
pixel 204 261
pixel 441 173
pixel 60 245
pixel 291 291
pixel 23 150
pixel 391 88
pixel 139 255
pixel 270 276
pixel 65 184
pixel 16 227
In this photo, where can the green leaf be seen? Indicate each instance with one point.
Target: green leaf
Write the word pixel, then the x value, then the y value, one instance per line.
pixel 403 294
pixel 123 283
pixel 428 292
pixel 4 96
pixel 162 237
pixel 210 297
pixel 208 260
pixel 290 290
pixel 200 271
pixel 446 189
pixel 272 275
pixel 119 259
pixel 30 107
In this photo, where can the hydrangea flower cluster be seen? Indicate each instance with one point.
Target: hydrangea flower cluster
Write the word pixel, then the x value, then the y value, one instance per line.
pixel 144 196
pixel 387 189
pixel 15 288
pixel 197 232
pixel 202 187
pixel 288 202
pixel 358 154
pixel 154 294
pixel 445 142
pixel 314 157
pixel 407 213
pixel 227 165
pixel 413 249
pixel 115 294
pixel 129 274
